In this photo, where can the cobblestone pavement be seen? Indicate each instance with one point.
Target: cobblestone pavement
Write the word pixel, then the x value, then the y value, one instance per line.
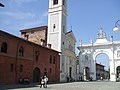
pixel 69 86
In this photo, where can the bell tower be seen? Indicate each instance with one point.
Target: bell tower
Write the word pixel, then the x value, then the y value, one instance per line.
pixel 57 27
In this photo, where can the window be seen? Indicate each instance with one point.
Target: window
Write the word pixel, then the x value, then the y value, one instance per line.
pixel 50 70
pixel 54 27
pixel 50 58
pixel 70 48
pixel 54 60
pixel 77 62
pixel 63 29
pixel 37 55
pixel 4 47
pixel 45 71
pixel 21 68
pixel 23 33
pixel 55 2
pixel 11 67
pixel 86 57
pixel 63 2
pixel 21 51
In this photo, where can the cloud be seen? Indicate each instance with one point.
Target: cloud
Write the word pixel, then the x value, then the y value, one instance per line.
pixel 18 15
pixel 22 20
pixel 24 1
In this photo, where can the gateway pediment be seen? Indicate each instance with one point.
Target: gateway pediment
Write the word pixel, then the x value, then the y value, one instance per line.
pixel 101 37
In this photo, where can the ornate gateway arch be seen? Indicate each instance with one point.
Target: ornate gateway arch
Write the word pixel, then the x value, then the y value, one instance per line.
pixel 89 52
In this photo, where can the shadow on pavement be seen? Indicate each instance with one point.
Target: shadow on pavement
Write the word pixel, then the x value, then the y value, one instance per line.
pixel 7 87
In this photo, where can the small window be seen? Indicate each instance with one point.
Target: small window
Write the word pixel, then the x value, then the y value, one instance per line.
pixel 55 2
pixel 54 27
pixel 21 68
pixel 86 57
pixel 21 51
pixel 63 2
pixel 54 60
pixel 11 67
pixel 50 70
pixel 23 33
pixel 63 29
pixel 45 73
pixel 4 47
pixel 37 55
pixel 45 69
pixel 50 58
pixel 77 62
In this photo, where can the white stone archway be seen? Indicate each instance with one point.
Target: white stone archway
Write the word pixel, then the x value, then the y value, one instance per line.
pixel 89 52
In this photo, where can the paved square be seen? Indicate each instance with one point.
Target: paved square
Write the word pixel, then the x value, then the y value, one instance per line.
pixel 69 86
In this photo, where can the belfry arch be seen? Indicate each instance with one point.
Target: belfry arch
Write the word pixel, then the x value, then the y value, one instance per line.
pixel 89 52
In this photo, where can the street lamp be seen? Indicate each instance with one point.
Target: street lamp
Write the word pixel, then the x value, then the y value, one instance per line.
pixel 116 29
pixel 1 5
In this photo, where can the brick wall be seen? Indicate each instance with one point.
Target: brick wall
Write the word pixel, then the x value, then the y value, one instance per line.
pixel 28 60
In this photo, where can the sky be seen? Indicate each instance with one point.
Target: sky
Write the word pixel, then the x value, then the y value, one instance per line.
pixel 85 16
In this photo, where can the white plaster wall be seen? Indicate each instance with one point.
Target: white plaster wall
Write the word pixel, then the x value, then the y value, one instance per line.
pixel 109 50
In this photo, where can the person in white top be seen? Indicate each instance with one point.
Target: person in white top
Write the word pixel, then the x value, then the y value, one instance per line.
pixel 45 80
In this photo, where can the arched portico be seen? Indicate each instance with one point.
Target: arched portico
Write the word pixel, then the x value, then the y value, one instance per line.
pixel 91 51
pixel 109 53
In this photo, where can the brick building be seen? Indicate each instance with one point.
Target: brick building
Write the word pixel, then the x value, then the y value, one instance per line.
pixel 20 58
pixel 100 71
pixel 37 35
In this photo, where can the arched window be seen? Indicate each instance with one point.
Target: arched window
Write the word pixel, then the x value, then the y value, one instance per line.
pixel 4 47
pixel 21 51
pixel 55 2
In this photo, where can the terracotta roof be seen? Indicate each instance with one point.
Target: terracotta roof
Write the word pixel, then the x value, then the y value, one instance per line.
pixel 34 29
pixel 8 34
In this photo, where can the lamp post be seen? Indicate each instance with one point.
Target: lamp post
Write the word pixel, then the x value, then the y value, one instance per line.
pixel 1 5
pixel 116 29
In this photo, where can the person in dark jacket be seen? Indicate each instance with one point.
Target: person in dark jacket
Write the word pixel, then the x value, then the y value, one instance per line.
pixel 42 82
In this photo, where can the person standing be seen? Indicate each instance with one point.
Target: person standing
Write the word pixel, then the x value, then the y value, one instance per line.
pixel 42 82
pixel 46 81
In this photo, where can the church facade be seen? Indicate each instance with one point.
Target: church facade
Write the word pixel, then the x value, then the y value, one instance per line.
pixel 70 59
